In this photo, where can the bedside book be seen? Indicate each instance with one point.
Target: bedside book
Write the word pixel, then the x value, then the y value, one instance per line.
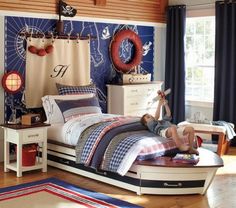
pixel 186 158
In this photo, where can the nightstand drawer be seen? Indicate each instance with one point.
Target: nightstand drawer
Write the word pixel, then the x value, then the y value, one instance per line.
pixel 33 135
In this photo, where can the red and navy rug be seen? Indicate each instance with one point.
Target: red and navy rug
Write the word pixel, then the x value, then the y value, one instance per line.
pixel 54 193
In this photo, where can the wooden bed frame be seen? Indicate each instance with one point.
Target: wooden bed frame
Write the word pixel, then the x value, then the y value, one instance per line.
pixel 160 176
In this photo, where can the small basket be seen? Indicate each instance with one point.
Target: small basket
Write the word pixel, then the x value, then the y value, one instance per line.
pixel 29 153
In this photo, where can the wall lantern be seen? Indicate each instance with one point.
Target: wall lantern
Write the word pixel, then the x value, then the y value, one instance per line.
pixel 12 82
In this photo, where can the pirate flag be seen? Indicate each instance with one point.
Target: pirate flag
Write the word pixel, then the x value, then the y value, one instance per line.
pixel 66 10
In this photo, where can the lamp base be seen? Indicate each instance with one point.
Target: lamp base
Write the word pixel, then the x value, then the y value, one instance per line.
pixel 16 121
pixel 13 119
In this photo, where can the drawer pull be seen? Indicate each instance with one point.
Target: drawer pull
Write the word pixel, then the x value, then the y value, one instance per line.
pixel 64 161
pixel 33 135
pixel 134 90
pixel 173 185
pixel 133 103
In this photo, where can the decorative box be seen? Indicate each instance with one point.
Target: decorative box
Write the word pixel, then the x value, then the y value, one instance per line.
pixel 30 119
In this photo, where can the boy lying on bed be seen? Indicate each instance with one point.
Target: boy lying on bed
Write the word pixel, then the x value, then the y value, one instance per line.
pixel 167 130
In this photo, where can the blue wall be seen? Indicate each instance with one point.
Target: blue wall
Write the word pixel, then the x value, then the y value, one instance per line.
pixel 102 70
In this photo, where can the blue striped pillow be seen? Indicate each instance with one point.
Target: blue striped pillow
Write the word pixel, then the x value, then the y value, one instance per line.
pixel 67 89
pixel 75 108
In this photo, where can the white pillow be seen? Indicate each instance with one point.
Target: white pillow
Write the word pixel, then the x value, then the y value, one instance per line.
pixel 52 111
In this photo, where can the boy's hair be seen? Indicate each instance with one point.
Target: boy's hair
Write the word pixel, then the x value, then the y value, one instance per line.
pixel 143 120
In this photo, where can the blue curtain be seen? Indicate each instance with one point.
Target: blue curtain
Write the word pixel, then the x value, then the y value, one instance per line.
pixel 225 63
pixel 175 61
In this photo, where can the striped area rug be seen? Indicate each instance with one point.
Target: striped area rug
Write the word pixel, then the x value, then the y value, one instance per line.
pixel 54 193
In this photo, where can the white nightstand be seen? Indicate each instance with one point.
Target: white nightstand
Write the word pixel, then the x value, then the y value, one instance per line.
pixel 20 135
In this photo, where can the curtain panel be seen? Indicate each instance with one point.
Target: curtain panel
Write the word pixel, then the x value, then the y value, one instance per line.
pixel 175 61
pixel 67 63
pixel 225 63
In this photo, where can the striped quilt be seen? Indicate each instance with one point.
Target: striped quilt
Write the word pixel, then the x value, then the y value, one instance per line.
pixel 115 143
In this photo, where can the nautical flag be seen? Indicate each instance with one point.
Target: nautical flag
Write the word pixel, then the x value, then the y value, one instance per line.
pixel 66 10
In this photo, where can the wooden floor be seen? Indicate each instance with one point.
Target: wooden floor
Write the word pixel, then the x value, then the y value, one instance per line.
pixel 219 195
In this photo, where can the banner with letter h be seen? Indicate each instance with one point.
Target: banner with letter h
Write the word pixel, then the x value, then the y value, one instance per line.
pixel 51 61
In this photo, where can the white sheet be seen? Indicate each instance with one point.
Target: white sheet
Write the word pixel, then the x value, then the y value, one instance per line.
pixel 55 132
pixel 75 126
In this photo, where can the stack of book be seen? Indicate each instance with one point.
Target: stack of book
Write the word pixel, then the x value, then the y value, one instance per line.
pixel 186 158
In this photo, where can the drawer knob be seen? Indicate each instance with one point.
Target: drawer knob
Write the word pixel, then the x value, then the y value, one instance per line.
pixel 173 185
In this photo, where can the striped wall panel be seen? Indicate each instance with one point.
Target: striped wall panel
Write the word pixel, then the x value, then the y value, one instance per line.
pixel 138 10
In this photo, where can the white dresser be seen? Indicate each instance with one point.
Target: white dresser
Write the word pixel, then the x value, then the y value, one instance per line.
pixel 133 99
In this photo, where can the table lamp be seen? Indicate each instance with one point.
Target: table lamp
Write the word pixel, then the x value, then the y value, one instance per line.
pixel 12 83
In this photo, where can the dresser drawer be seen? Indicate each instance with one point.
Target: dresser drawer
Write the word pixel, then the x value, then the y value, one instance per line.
pixel 139 111
pixel 31 136
pixel 141 91
pixel 143 102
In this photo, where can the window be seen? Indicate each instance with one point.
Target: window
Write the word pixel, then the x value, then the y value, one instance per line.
pixel 200 58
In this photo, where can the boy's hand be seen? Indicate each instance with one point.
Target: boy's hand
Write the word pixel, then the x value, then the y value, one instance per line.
pixel 161 94
pixel 163 102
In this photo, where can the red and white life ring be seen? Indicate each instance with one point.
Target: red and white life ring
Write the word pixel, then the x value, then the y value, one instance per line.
pixel 115 47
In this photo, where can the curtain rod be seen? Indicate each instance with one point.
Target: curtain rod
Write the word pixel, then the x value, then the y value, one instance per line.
pixel 71 37
pixel 199 5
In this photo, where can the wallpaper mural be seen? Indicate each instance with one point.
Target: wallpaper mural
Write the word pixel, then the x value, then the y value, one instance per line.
pixel 102 70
